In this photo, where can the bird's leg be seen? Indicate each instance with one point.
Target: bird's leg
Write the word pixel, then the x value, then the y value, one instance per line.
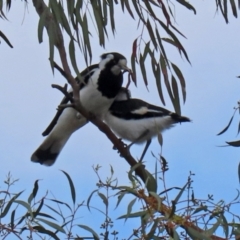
pixel 145 149
pixel 139 138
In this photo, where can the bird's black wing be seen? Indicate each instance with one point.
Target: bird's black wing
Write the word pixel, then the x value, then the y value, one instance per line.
pixel 136 109
pixel 86 74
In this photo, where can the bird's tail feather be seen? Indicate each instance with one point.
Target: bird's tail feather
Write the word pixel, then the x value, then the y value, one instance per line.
pixel 67 124
pixel 49 150
pixel 178 119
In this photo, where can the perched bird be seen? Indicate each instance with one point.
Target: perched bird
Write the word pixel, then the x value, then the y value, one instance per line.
pixel 138 121
pixel 99 86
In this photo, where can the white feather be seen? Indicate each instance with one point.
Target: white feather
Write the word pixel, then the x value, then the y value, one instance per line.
pixel 131 130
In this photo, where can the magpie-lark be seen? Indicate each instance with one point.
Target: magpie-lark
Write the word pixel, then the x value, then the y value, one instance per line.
pixel 138 121
pixel 101 84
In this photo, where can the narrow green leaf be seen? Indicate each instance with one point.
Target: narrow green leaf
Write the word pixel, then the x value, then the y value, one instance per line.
pixel 79 4
pixel 199 209
pixel 57 201
pixel 73 193
pixel 51 35
pixel 146 50
pixel 3 36
pixel 145 220
pixel 54 210
pixel 26 205
pixel 120 197
pixel 143 69
pixel 160 139
pixel 149 8
pixel 238 194
pixel 105 13
pixel 77 12
pixel 6 209
pixel 41 229
pixel 151 34
pixel 86 36
pixel 215 226
pixel 89 198
pixel 130 173
pixel 226 128
pixel 38 209
pixel 225 8
pixel 170 41
pixel 73 57
pixel 41 24
pixel 225 226
pixel 9 2
pixel 111 12
pixel 161 45
pixel 177 42
pixel 166 15
pixel 134 58
pixel 1 5
pixel 95 236
pixel 12 219
pixel 112 170
pixel 175 234
pixel 20 221
pixel 234 8
pixel 157 75
pixel 149 236
pixel 181 79
pixel 133 215
pixel 176 96
pixel 238 128
pixel 51 224
pixel 70 7
pixel 187 5
pixel 129 208
pixel 126 2
pixel 34 192
pixel 64 22
pixel 103 197
pixel 56 10
pixel 99 21
pixel 234 143
pixel 194 234
pixel 151 183
pixel 45 215
pixel 165 75
pixel 180 193
pixel 139 13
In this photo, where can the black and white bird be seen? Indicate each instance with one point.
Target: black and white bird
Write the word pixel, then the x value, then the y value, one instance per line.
pixel 101 84
pixel 138 121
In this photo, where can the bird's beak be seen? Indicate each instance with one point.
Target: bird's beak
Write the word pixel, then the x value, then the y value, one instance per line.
pixel 126 68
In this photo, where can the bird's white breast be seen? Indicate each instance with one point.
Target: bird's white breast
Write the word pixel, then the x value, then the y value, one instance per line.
pixel 131 130
pixel 92 99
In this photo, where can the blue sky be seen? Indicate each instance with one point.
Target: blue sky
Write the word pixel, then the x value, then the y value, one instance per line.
pixel 28 103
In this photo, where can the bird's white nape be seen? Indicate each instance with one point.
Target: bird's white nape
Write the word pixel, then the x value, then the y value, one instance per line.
pixel 105 60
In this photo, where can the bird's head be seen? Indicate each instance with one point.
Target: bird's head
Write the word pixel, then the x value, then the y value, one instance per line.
pixel 116 62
